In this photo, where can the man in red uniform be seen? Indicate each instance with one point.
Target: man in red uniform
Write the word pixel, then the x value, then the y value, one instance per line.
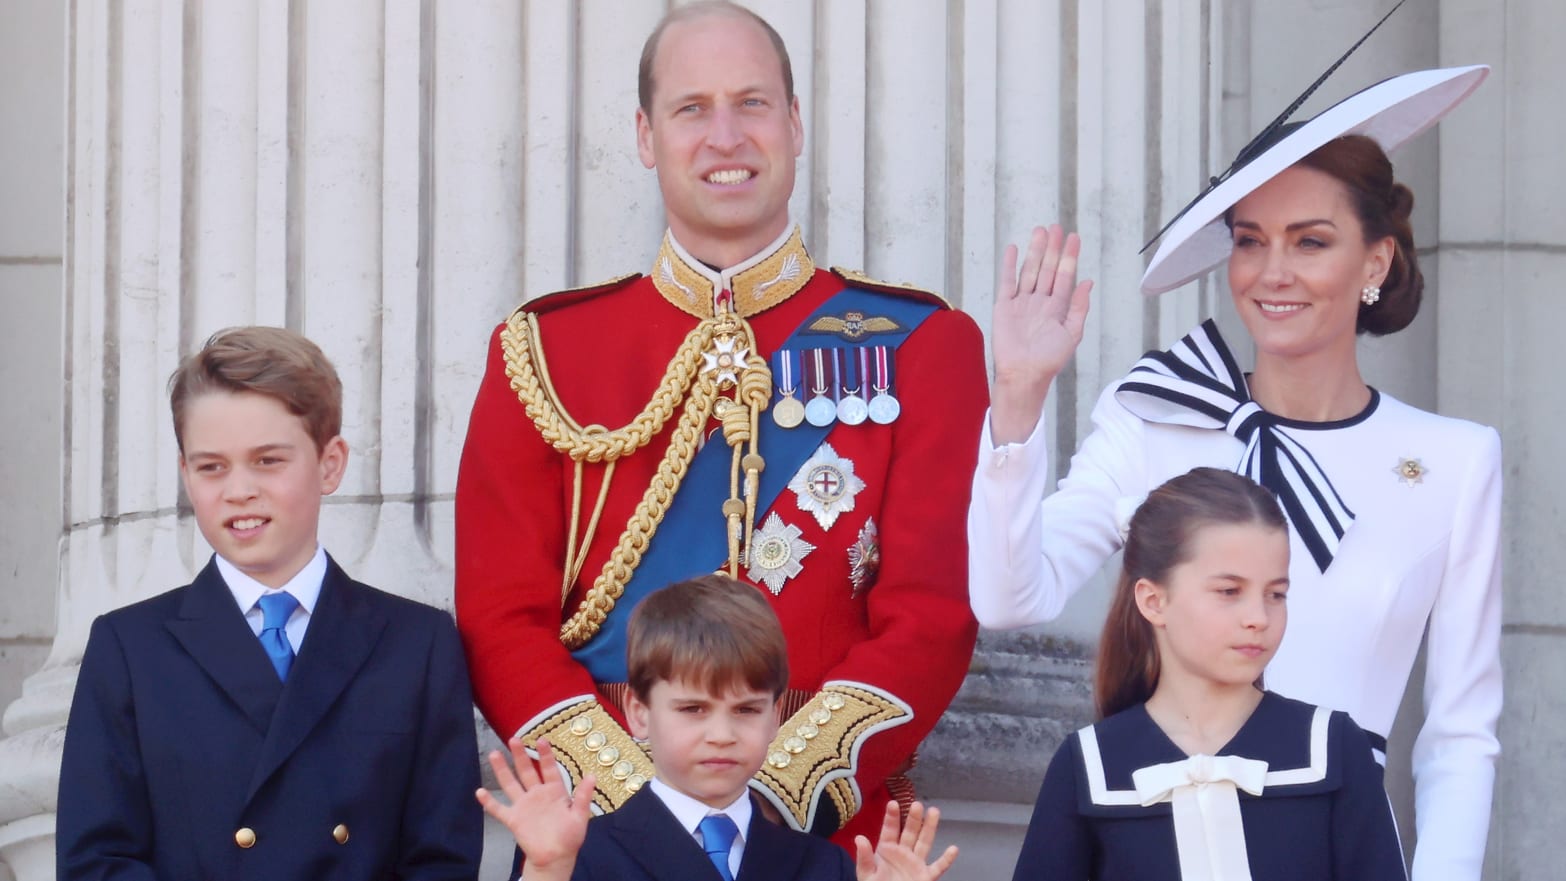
pixel 810 431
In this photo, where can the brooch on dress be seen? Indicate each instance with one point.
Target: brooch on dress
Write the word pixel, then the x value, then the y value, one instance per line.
pixel 1410 471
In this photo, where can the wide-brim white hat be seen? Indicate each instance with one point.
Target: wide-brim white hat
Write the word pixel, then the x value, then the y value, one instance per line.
pixel 1392 112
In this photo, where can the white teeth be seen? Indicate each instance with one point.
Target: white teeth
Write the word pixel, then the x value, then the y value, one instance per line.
pixel 1281 307
pixel 248 523
pixel 729 176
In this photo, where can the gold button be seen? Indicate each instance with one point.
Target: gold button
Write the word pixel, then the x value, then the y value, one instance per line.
pixel 809 730
pixel 608 756
pixel 596 741
pixel 245 837
pixel 779 759
pixel 623 769
pixel 340 834
pixel 820 715
pixel 635 782
pixel 833 701
pixel 581 725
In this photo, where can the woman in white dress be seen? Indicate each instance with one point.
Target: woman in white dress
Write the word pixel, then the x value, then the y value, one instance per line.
pixel 1394 512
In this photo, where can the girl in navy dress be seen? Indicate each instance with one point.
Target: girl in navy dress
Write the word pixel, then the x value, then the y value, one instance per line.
pixel 1194 772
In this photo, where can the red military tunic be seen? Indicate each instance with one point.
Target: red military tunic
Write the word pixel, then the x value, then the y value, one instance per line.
pixel 898 647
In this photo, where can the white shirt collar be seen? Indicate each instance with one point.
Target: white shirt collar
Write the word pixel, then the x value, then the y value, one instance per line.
pixel 690 812
pixel 305 585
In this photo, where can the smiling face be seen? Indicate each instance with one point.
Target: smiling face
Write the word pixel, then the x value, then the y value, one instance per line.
pixel 704 745
pixel 722 133
pixel 1220 616
pixel 255 480
pixel 1299 263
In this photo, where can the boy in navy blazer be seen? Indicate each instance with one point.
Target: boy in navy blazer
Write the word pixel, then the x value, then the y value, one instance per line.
pixel 274 719
pixel 707 663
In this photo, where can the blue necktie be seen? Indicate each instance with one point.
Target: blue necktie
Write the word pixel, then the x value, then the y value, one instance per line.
pixel 275 609
pixel 717 837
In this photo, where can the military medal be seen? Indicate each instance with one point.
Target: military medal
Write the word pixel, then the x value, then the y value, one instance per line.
pixel 776 552
pixel 851 408
pixel 864 558
pixel 826 485
pixel 821 410
pixel 788 412
pixel 884 409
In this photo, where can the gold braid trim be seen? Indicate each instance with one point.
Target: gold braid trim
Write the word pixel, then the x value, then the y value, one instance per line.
pixel 684 378
pixel 814 754
pixel 587 740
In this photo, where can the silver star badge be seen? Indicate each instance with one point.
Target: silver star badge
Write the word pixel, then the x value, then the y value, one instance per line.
pixel 826 485
pixel 775 553
pixel 1410 471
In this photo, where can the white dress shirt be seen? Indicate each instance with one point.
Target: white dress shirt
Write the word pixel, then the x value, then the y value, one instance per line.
pixel 305 587
pixel 1419 552
pixel 690 812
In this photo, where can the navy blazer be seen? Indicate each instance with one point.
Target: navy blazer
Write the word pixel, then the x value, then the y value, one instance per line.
pixel 642 841
pixel 186 758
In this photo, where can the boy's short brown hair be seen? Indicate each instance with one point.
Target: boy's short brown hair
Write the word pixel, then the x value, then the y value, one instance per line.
pixel 711 631
pixel 270 361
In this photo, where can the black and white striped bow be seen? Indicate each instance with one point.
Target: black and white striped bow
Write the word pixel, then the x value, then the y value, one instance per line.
pixel 1197 383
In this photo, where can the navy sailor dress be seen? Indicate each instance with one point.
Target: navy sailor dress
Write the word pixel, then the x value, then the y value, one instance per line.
pixel 1121 801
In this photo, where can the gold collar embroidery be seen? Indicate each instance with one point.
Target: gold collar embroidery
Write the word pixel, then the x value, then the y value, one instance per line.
pixel 758 284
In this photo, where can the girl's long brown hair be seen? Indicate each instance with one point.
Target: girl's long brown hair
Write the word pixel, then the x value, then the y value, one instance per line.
pixel 1160 539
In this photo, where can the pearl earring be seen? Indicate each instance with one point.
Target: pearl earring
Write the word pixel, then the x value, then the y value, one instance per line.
pixel 1370 295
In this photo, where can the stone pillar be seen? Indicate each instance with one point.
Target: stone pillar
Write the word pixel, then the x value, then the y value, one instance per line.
pixel 32 63
pixel 1502 253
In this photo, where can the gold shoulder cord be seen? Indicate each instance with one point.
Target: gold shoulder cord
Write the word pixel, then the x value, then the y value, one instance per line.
pixel 719 354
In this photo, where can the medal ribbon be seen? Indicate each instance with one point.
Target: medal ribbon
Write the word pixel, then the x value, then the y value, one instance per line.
pixel 883 372
pixel 786 370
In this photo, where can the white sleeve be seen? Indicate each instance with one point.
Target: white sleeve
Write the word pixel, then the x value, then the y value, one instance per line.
pixel 1455 752
pixel 1028 550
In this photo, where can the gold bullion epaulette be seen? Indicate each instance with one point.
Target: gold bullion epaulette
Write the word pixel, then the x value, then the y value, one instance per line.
pixel 570 296
pixel 815 754
pixel 860 280
pixel 587 740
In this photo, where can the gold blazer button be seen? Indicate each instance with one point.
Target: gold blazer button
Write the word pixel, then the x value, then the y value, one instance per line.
pixel 340 834
pixel 245 837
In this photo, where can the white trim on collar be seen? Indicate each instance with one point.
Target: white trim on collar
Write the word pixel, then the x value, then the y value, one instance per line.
pixel 1102 795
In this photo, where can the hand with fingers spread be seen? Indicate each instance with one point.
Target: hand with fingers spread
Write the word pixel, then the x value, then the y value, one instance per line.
pixel 1039 312
pixel 548 821
pixel 903 851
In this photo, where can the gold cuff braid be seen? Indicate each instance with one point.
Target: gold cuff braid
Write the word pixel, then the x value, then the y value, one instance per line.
pixel 814 750
pixel 587 740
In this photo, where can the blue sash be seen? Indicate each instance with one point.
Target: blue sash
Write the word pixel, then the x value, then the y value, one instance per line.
pixel 691 541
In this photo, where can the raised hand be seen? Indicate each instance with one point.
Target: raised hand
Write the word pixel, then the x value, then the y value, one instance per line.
pixel 548 822
pixel 1039 313
pixel 903 851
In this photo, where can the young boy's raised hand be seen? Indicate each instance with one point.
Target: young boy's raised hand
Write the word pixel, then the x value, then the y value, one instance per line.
pixel 548 822
pixel 904 848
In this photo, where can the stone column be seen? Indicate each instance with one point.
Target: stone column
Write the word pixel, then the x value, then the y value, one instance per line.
pixel 1501 256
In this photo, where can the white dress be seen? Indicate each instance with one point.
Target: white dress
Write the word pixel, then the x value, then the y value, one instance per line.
pixel 1423 548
